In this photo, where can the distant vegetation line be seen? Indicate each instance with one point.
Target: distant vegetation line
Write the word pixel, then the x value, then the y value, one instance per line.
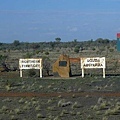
pixel 17 45
pixel 50 51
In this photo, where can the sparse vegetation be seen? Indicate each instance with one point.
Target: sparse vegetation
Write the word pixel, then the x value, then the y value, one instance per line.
pixel 62 100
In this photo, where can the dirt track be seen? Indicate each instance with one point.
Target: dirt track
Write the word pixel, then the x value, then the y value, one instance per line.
pixel 71 94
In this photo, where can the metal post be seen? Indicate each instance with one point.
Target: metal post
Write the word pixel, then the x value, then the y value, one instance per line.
pixel 40 72
pixel 103 72
pixel 20 72
pixel 82 72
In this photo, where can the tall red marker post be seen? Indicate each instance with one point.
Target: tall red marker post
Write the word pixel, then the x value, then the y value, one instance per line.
pixel 118 41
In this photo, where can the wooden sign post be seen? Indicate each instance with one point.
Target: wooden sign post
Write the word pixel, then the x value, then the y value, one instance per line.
pixel 30 64
pixel 95 62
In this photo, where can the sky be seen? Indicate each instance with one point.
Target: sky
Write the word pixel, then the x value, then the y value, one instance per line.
pixel 45 20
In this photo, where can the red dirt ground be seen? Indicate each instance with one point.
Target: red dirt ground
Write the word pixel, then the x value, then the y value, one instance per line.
pixel 71 94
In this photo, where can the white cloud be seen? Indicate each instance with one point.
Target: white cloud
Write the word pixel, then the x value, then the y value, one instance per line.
pixel 34 28
pixel 73 29
pixel 51 33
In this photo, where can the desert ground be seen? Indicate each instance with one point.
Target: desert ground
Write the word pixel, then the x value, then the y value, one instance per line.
pixel 74 98
pixel 54 98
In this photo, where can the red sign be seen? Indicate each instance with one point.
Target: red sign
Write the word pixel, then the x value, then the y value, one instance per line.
pixel 118 35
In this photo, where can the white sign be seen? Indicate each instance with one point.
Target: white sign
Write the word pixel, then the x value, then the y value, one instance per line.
pixel 30 64
pixel 95 62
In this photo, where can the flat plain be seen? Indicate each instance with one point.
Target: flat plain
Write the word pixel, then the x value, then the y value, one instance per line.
pixel 54 98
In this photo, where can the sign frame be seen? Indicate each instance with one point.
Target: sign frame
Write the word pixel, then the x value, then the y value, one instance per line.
pixel 93 62
pixel 30 63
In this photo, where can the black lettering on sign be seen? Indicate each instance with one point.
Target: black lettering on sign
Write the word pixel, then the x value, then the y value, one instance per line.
pixel 93 65
pixel 93 60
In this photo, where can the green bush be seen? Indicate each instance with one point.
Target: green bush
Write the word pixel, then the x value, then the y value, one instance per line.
pixel 31 73
pixel 47 53
pixel 76 50
pixel 28 55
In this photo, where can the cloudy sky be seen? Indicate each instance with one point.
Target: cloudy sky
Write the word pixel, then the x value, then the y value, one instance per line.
pixel 44 20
